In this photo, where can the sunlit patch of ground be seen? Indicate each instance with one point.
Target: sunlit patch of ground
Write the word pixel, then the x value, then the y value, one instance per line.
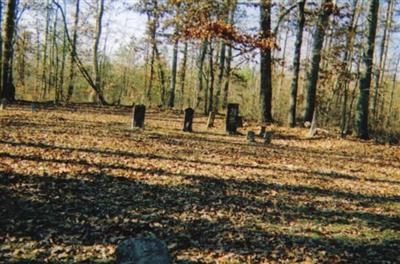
pixel 75 182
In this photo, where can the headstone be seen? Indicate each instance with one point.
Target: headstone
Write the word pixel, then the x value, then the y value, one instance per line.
pixel 268 137
pixel 211 118
pixel 142 251
pixel 3 104
pixel 313 127
pixel 34 107
pixel 251 137
pixel 232 118
pixel 188 122
pixel 262 131
pixel 139 112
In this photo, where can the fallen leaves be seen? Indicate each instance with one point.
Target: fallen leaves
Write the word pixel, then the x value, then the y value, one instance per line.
pixel 74 184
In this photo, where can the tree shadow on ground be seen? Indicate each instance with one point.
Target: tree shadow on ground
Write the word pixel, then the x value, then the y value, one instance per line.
pixel 103 209
pixel 314 173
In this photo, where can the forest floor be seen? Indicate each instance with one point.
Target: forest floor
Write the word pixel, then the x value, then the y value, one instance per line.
pixel 76 182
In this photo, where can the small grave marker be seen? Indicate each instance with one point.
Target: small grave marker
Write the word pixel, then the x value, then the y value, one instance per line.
pixel 232 118
pixel 3 104
pixel 142 250
pixel 262 131
pixel 34 107
pixel 139 112
pixel 188 122
pixel 211 118
pixel 268 137
pixel 251 137
pixel 313 125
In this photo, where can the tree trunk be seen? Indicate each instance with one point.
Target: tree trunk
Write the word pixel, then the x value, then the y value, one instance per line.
pixel 343 76
pixel 296 63
pixel 96 68
pixel 394 85
pixel 361 122
pixel 1 47
pixel 161 76
pixel 8 91
pixel 312 77
pixel 171 94
pixel 221 72
pixel 152 31
pixel 62 70
pixel 72 55
pixel 382 56
pixel 229 55
pixel 45 54
pixel 183 74
pixel 200 72
pixel 55 62
pixel 266 63
pixel 211 80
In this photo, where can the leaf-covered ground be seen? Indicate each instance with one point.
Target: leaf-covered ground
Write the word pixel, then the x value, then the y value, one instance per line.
pixel 75 182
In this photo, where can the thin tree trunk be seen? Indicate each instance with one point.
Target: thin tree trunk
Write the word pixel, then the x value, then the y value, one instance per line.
pixel 152 31
pixel 211 80
pixel 229 55
pixel 282 74
pixel 222 58
pixel 266 64
pixel 161 75
pixel 394 86
pixel 8 91
pixel 171 94
pixel 96 68
pixel 1 47
pixel 347 67
pixel 55 61
pixel 200 73
pixel 361 122
pixel 62 70
pixel 296 64
pixel 312 77
pixel 183 74
pixel 72 55
pixel 45 55
pixel 382 57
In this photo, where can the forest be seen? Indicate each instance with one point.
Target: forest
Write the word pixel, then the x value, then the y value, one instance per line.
pixel 289 151
pixel 334 58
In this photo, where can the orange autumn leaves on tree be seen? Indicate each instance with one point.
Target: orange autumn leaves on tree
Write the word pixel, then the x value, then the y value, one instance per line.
pixel 208 20
pixel 208 29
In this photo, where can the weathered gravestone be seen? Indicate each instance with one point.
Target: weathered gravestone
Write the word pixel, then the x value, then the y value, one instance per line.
pixel 142 251
pixel 262 131
pixel 251 137
pixel 268 137
pixel 313 127
pixel 188 122
pixel 211 118
pixel 232 118
pixel 34 107
pixel 3 104
pixel 139 112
